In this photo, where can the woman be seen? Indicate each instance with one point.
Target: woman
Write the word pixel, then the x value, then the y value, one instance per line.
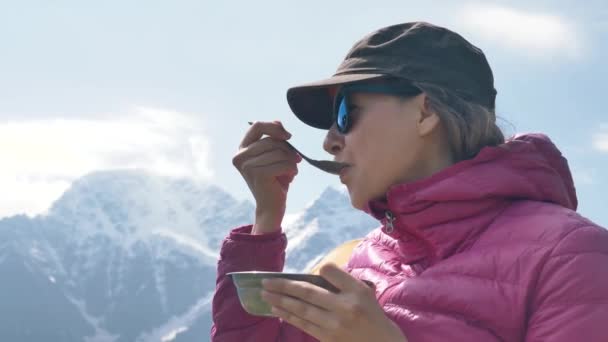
pixel 479 240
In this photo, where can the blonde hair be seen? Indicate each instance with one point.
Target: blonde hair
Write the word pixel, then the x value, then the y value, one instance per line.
pixel 469 126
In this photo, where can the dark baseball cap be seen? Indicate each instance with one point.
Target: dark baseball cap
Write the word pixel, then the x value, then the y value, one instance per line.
pixel 417 52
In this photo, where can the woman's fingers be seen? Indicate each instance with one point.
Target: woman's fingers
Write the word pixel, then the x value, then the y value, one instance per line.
pixel 341 279
pixel 300 323
pixel 309 292
pixel 258 129
pixel 261 147
pixel 353 314
pixel 271 164
pixel 308 317
pixel 267 158
pixel 270 171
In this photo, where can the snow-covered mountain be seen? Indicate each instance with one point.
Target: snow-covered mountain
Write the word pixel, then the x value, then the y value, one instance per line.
pixel 128 256
pixel 328 222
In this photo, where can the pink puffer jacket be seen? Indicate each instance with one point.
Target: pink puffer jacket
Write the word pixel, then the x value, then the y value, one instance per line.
pixel 489 249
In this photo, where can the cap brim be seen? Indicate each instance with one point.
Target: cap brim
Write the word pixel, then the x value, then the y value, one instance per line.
pixel 312 102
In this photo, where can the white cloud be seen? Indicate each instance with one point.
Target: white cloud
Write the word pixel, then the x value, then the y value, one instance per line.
pixel 600 139
pixel 532 34
pixel 41 158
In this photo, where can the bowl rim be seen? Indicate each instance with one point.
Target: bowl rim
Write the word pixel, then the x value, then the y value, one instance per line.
pixel 272 272
pixel 365 281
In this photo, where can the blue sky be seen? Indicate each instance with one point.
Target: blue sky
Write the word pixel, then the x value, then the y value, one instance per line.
pixel 169 86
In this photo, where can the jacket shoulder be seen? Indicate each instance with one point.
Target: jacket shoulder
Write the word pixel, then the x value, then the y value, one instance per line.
pixel 536 223
pixel 570 300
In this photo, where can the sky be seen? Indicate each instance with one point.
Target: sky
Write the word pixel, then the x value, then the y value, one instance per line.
pixel 168 86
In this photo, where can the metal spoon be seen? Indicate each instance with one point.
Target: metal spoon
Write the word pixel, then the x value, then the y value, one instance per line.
pixel 324 165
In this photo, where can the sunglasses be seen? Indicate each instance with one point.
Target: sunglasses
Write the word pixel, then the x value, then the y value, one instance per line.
pixel 342 113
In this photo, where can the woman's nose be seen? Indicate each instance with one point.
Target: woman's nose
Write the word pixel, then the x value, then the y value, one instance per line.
pixel 334 141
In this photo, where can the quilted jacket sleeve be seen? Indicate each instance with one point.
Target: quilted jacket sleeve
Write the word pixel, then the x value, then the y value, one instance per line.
pixel 242 251
pixel 571 302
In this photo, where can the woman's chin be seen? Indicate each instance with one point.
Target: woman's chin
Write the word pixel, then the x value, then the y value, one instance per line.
pixel 356 200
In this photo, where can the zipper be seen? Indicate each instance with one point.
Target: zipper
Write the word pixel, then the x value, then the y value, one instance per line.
pixel 390 218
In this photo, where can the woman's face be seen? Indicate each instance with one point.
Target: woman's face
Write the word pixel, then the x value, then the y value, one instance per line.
pixel 392 140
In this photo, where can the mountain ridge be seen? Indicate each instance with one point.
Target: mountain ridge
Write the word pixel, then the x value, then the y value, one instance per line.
pixel 130 256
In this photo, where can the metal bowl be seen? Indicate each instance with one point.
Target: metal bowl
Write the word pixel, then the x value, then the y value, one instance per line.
pixel 249 287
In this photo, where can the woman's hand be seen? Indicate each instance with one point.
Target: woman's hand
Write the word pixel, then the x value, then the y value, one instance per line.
pixel 268 166
pixel 351 315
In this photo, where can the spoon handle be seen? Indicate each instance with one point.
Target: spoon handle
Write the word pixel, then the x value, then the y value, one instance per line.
pixel 324 165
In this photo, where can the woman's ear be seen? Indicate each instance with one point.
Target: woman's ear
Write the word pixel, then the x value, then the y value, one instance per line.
pixel 428 120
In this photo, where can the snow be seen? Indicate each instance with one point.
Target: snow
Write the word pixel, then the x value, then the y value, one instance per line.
pixel 101 335
pixel 36 253
pixel 128 207
pixel 159 281
pixel 178 324
pixel 112 217
pixel 323 225
pixel 290 219
pixel 299 236
pixel 187 243
pixel 55 259
pixel 173 334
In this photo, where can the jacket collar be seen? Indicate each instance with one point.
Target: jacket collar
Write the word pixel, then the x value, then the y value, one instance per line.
pixel 443 214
